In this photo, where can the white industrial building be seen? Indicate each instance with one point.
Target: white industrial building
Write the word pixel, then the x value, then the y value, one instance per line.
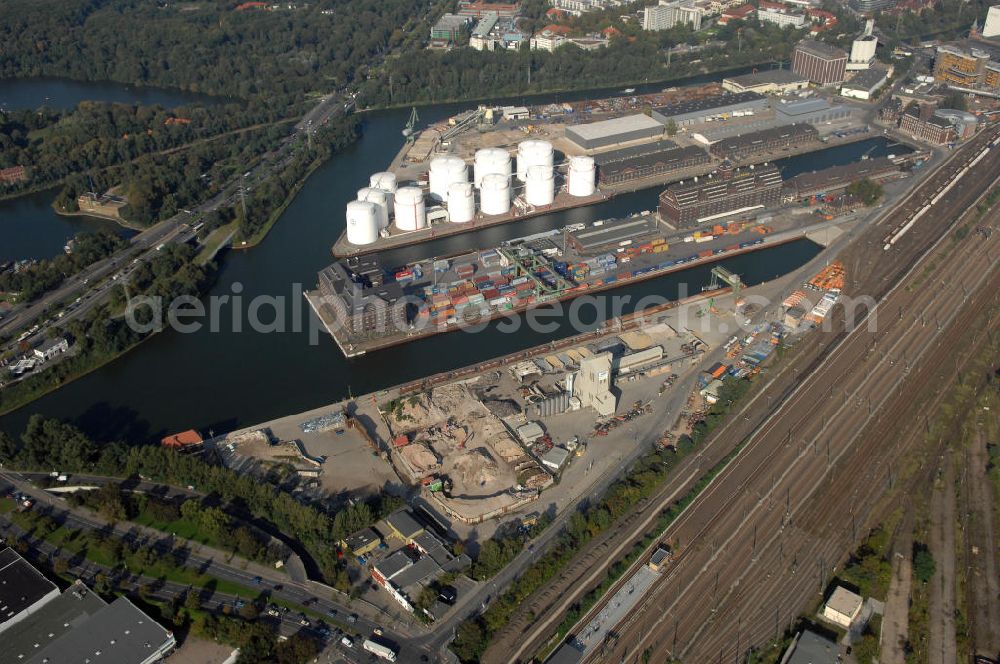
pixel 991 28
pixel 843 607
pixel 863 49
pixel 865 84
pixel 593 384
pixel 669 13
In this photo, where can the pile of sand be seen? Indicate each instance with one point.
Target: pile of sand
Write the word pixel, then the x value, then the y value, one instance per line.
pixel 475 467
pixel 420 458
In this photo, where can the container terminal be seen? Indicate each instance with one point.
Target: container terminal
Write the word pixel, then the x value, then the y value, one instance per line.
pixel 366 305
pixel 527 161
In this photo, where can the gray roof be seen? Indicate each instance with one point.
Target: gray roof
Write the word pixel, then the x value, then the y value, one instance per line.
pixel 49 344
pixel 118 632
pixel 616 126
pixel 21 585
pixel 622 154
pixel 394 564
pixel 867 79
pixel 821 50
pixel 707 103
pixel 798 130
pixel 768 76
pixel 811 648
pixel 361 538
pixel 404 523
pixel 50 622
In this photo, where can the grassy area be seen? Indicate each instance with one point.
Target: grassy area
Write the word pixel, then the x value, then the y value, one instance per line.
pixel 214 239
pixel 7 505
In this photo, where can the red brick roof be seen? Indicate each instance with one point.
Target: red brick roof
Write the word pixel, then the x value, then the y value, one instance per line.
pixel 182 439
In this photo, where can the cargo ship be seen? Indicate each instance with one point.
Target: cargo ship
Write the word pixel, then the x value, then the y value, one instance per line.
pixel 365 306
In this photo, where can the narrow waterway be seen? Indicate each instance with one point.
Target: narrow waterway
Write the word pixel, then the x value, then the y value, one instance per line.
pixel 18 93
pixel 234 376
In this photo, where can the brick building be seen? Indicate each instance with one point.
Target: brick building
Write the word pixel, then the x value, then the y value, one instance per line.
pixel 726 192
pixel 821 63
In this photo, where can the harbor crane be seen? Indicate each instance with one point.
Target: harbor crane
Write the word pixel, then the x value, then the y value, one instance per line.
pixel 721 275
pixel 409 131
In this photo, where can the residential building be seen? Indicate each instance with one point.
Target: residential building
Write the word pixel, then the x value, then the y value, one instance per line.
pixel 726 192
pixel 821 63
pixel 449 29
pixel 719 6
pixel 738 13
pixel 50 348
pixel 493 33
pixel 780 14
pixel 820 20
pixel 669 13
pixel 23 589
pixel 550 38
pixel 13 175
pixel 871 6
pixel 843 607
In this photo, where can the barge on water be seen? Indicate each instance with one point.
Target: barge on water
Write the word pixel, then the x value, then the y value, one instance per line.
pixel 365 306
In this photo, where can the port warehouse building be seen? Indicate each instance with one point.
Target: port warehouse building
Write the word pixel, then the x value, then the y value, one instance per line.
pixel 839 177
pixel 641 161
pixel 766 140
pixel 771 81
pixel 369 308
pixel 638 126
pixel 725 192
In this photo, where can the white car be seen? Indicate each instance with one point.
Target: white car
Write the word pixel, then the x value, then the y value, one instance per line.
pixel 347 642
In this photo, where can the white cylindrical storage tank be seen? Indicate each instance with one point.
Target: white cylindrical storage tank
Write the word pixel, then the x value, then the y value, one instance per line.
pixel 385 181
pixel 494 194
pixel 411 213
pixel 490 160
pixel 444 172
pixel 461 202
pixel 380 199
pixel 362 222
pixel 533 153
pixel 540 186
pixel 581 176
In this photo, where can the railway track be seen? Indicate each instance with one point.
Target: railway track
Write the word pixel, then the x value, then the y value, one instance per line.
pixel 527 632
pixel 759 534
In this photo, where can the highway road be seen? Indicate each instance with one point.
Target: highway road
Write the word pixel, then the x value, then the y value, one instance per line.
pixel 89 287
pixel 763 540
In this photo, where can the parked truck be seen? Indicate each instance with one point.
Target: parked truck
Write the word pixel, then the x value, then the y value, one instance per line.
pixel 379 650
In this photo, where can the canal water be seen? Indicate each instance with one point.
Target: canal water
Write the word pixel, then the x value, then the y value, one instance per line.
pixel 228 378
pixel 20 93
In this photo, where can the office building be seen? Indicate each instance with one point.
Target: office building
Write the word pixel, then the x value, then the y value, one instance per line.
pixel 724 193
pixel 967 68
pixel 354 292
pixel 820 63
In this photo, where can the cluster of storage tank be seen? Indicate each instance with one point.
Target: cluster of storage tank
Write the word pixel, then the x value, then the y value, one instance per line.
pixel 448 183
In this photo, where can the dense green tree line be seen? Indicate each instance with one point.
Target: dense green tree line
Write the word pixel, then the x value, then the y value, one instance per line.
pixel 469 74
pixel 205 47
pixel 104 334
pixel 32 281
pixel 941 19
pixel 51 444
pixel 54 144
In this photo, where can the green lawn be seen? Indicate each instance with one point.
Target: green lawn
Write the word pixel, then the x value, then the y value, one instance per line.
pixel 6 505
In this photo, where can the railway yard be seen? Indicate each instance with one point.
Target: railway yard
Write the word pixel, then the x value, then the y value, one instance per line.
pixel 789 505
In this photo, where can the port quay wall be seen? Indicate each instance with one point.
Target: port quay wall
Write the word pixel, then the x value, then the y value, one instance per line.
pixel 616 325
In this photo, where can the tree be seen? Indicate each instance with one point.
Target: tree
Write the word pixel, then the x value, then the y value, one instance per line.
pixel 867 191
pixel 671 127
pixel 8 448
pixel 923 563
